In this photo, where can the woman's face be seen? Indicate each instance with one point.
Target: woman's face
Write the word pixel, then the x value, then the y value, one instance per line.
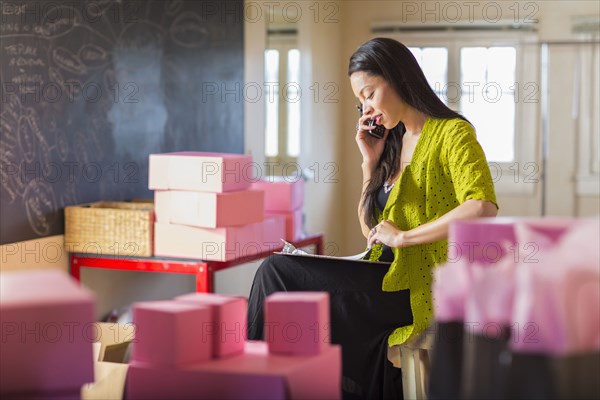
pixel 379 100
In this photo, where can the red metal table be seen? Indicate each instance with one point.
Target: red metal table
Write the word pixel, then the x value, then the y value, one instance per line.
pixel 203 269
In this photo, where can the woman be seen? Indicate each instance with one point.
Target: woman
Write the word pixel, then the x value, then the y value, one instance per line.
pixel 427 171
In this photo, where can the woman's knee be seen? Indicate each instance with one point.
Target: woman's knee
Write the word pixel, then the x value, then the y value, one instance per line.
pixel 266 271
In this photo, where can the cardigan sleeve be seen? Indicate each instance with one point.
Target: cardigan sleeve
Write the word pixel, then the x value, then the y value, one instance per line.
pixel 467 165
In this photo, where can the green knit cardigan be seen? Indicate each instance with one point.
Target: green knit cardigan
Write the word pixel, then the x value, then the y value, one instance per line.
pixel 448 167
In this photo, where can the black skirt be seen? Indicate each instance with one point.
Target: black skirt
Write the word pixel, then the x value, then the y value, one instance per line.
pixel 362 315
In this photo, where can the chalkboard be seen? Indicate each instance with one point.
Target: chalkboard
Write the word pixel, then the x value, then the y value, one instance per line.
pixel 91 88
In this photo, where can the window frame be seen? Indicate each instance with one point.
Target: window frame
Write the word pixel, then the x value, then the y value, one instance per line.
pixel 519 177
pixel 587 120
pixel 283 44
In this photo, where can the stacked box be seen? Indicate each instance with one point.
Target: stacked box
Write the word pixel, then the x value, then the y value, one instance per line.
pixel 206 209
pixel 298 321
pixel 190 208
pixel 284 196
pixel 47 334
pixel 167 333
pixel 249 371
pixel 200 171
pixel 229 321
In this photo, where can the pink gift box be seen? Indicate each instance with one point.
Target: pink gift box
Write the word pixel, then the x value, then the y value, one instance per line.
pixel 229 321
pixel 297 322
pixel 209 210
pixel 198 171
pixel 281 193
pixel 47 333
pixel 212 244
pixel 557 300
pixel 489 300
pixel 452 284
pixel 169 333
pixel 293 224
pixel 482 240
pixel 541 232
pixel 255 374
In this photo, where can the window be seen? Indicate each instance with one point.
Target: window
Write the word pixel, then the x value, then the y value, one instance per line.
pixel 282 81
pixel 488 82
pixel 492 81
pixel 434 63
pixel 485 93
pixel 272 100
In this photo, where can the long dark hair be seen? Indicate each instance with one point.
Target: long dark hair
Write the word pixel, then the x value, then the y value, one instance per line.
pixel 395 63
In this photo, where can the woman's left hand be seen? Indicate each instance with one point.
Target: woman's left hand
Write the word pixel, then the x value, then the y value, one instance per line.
pixel 386 233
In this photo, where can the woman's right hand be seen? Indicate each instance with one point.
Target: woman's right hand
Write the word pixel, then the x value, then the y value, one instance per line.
pixel 370 147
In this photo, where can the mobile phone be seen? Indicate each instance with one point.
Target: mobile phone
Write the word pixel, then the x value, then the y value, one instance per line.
pixel 379 130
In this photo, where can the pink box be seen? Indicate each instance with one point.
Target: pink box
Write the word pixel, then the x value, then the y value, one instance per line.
pixel 209 210
pixel 169 333
pixel 273 228
pixel 281 194
pixel 297 322
pixel 204 172
pixel 294 229
pixel 212 244
pixel 486 240
pixel 46 336
pixel 255 374
pixel 481 240
pixel 229 316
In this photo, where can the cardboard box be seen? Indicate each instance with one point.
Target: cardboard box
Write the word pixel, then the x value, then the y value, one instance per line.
pixel 200 171
pixel 113 341
pixel 229 316
pixel 109 377
pixel 297 322
pixel 46 340
pixel 282 194
pixel 109 384
pixel 209 210
pixel 255 374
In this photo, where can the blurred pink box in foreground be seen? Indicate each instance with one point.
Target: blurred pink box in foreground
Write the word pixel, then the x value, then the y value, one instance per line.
pixel 255 374
pixel 481 240
pixel 199 171
pixel 229 315
pixel 297 322
pixel 46 336
pixel 209 210
pixel 281 193
pixel 294 229
pixel 169 333
pixel 487 240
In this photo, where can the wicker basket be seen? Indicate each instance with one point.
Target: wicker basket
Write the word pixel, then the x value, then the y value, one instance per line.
pixel 119 228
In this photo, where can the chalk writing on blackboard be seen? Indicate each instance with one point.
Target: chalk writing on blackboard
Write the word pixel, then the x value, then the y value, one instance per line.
pixel 91 88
